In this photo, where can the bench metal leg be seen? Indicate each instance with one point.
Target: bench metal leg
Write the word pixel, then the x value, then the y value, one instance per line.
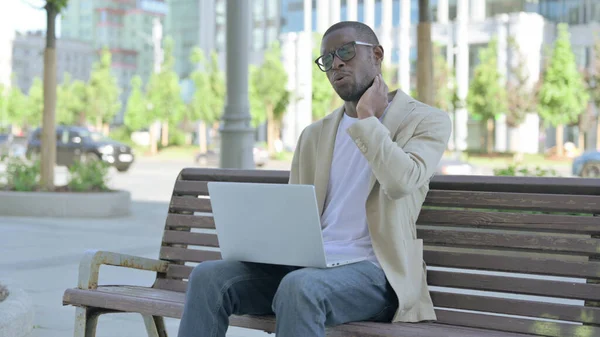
pixel 155 325
pixel 86 320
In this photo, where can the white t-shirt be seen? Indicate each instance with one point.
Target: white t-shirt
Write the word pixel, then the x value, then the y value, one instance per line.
pixel 344 219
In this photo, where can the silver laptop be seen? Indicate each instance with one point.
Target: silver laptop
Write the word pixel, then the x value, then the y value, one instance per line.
pixel 270 223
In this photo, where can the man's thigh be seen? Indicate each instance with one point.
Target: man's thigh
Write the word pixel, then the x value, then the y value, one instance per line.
pixel 248 287
pixel 349 293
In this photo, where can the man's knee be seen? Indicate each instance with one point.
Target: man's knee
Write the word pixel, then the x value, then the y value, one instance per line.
pixel 298 288
pixel 210 274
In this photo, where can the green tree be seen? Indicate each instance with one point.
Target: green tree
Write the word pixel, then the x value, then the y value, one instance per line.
pixel 103 91
pixel 487 95
pixel 269 82
pixel 136 110
pixel 444 82
pixel 562 95
pixel 209 94
pixel 390 76
pixel 17 109
pixel 3 103
pixel 48 139
pixel 35 105
pixel 164 94
pixel 521 98
pixel 71 102
pixel 323 95
pixel 593 84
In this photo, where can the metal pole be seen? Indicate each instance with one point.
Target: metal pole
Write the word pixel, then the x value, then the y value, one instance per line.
pixel 237 137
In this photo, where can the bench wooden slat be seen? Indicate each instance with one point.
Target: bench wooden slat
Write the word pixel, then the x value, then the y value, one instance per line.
pixel 516 307
pixel 480 261
pixel 190 221
pixel 525 286
pixel 190 204
pixel 517 264
pixel 517 221
pixel 466 199
pixel 188 255
pixel 170 284
pixel 237 175
pixel 506 284
pixel 151 301
pixel 446 238
pixel 187 187
pixel 179 271
pixel 549 185
pixel 187 238
pixel 519 325
pixel 478 238
pixel 514 201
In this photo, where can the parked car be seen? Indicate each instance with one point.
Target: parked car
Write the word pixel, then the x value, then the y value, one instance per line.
pixel 75 143
pixel 587 165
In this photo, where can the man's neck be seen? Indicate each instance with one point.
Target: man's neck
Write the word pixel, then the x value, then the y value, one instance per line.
pixel 350 109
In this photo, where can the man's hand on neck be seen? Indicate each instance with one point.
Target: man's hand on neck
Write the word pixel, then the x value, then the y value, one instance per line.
pixel 372 103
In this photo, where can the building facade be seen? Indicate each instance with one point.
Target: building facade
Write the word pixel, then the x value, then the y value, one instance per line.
pixel 461 27
pixel 126 27
pixel 72 56
pixel 201 23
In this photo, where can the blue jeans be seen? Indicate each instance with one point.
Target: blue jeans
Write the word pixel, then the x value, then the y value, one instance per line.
pixel 304 300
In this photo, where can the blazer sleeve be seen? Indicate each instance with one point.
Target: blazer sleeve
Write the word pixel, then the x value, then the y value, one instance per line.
pixel 401 170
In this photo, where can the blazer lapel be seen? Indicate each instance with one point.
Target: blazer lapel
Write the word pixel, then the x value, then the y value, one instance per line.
pixel 325 148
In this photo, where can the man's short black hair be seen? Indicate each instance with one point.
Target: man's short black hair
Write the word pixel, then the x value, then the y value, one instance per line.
pixel 364 33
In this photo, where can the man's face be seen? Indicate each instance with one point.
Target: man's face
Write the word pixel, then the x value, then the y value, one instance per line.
pixel 350 79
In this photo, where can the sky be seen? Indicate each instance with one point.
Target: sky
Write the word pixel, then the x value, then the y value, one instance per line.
pixel 19 15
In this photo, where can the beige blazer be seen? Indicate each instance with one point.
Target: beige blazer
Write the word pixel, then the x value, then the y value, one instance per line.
pixel 403 150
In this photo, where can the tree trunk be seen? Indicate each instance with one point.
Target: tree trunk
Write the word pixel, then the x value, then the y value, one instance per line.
pixel 82 118
pixel 153 138
pixel 581 141
pixel 559 141
pixel 48 146
pixel 105 129
pixel 424 55
pixel 490 136
pixel 202 137
pixel 165 134
pixel 270 130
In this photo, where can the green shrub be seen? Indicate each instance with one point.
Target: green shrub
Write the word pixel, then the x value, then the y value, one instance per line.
pixel 516 170
pixel 20 175
pixel 177 137
pixel 88 176
pixel 121 134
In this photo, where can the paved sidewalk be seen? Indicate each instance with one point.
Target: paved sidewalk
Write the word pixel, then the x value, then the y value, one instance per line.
pixel 41 256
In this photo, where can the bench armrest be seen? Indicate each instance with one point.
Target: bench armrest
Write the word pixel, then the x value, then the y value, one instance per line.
pixel 93 259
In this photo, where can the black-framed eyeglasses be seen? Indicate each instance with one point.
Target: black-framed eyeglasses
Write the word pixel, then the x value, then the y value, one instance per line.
pixel 344 53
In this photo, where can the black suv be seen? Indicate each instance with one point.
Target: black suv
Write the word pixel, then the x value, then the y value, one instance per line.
pixel 78 143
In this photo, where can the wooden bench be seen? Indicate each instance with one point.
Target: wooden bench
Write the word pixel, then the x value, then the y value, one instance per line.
pixel 507 256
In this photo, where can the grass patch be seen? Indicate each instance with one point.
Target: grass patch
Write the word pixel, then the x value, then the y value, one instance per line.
pixel 283 156
pixel 500 160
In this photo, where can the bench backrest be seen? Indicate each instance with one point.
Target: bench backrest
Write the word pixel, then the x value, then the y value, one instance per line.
pixel 508 253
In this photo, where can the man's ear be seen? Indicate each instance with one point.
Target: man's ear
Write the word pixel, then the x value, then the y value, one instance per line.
pixel 379 53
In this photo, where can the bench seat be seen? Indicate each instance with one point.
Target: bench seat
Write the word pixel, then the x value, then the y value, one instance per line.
pixel 167 303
